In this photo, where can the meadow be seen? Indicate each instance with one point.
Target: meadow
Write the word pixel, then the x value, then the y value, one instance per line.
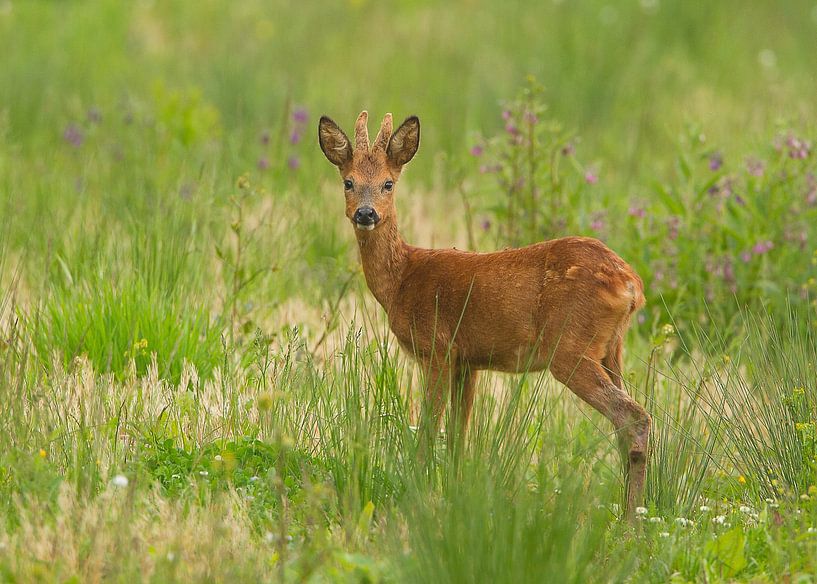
pixel 196 384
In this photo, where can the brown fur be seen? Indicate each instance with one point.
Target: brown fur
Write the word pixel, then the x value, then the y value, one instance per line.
pixel 563 304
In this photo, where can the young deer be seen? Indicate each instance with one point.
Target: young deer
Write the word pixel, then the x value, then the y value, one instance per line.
pixel 563 304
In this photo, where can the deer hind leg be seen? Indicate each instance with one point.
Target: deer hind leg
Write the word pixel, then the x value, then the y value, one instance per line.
pixel 612 360
pixel 589 380
pixel 438 383
pixel 462 402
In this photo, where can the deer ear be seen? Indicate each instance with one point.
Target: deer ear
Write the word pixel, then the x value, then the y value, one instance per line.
pixel 334 143
pixel 404 142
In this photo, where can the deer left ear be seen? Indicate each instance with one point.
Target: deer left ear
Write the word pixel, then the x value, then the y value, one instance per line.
pixel 404 142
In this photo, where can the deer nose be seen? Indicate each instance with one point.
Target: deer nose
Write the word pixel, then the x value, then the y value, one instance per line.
pixel 366 216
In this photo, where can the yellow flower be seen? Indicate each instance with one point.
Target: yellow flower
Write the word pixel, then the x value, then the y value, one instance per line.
pixel 43 453
pixel 668 330
pixel 742 480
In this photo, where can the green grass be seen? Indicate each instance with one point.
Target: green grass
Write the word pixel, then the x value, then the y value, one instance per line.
pixel 196 385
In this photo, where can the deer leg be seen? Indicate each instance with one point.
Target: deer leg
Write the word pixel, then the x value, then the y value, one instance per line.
pixel 612 360
pixel 590 382
pixel 462 401
pixel 438 380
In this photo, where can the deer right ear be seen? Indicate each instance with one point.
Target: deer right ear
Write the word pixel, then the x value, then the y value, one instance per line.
pixel 335 145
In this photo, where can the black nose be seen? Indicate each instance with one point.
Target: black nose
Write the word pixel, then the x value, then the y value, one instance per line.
pixel 366 216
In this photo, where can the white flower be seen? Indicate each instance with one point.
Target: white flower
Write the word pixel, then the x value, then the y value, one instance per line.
pixel 811 530
pixel 120 481
pixel 745 509
pixel 204 473
pixel 704 509
pixel 218 457
pixel 171 556
pixel 683 521
pixel 719 519
pixel 664 534
pixel 656 520
pixel 769 500
pixel 640 510
pixel 253 479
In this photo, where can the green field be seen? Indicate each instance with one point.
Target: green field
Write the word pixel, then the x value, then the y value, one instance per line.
pixel 196 384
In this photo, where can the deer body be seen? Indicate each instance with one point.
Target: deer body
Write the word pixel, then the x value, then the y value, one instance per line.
pixel 563 304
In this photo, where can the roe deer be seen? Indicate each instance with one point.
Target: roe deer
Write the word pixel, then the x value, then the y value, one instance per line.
pixel 563 304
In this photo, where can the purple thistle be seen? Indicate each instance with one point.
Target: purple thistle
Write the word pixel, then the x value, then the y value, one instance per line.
pixel 486 224
pixel 506 115
pixel 715 162
pixel 512 129
pixel 637 212
pixel 762 247
pixel 295 137
pixel 73 135
pixel 531 117
pixel 263 163
pixel 476 150
pixel 591 177
pixel 294 162
pixel 597 224
pixel 300 115
pixel 746 257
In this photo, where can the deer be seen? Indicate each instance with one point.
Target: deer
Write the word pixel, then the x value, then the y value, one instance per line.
pixel 563 304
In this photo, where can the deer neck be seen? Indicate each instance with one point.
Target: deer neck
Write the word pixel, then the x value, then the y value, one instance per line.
pixel 383 253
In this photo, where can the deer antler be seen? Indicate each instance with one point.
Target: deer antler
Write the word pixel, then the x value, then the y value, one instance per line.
pixel 362 132
pixel 382 139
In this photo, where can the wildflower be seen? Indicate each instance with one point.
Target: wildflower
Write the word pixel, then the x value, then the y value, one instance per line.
pixel 640 510
pixel 171 556
pixel 476 150
pixel 742 480
pixel 704 509
pixel 762 247
pixel 94 116
pixel 218 457
pixel 120 481
pixel 805 497
pixel 263 163
pixel 506 115
pixel 755 167
pixel 42 453
pixel 591 177
pixel 265 137
pixel 663 534
pixel 511 129
pixel 295 137
pixel 668 330
pixel 715 161
pixel 204 473
pixel 300 115
pixel 597 225
pixel 568 149
pixel 637 212
pixel 530 117
pixel 683 521
pixel 799 391
pixel 719 519
pixel 73 135
pixel 745 509
pixel 798 149
pixel 811 530
pixel 243 182
pixel 294 163
pixel 746 256
pixel 486 224
pixel 656 520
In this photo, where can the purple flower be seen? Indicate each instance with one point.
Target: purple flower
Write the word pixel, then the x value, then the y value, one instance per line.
pixel 597 224
pixel 94 116
pixel 512 129
pixel 486 224
pixel 637 212
pixel 476 150
pixel 506 115
pixel 294 162
pixel 263 163
pixel 715 161
pixel 755 167
pixel 673 226
pixel 186 191
pixel 746 256
pixel 591 177
pixel 300 115
pixel 489 168
pixel 295 137
pixel 264 137
pixel 530 117
pixel 798 149
pixel 762 247
pixel 73 135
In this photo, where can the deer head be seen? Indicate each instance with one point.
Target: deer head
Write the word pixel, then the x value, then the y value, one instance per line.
pixel 370 174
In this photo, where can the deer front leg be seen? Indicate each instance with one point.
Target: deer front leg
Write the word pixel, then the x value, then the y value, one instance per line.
pixel 438 380
pixel 462 401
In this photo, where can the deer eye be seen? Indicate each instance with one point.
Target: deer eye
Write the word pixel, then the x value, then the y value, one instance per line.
pixel 389 185
pixel 348 185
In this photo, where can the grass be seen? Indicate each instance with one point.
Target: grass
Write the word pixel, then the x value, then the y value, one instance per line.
pixel 196 385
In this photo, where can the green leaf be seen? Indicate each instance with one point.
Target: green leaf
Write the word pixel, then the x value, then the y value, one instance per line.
pixel 727 552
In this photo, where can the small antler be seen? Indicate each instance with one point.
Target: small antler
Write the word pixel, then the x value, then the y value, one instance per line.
pixel 362 132
pixel 382 140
